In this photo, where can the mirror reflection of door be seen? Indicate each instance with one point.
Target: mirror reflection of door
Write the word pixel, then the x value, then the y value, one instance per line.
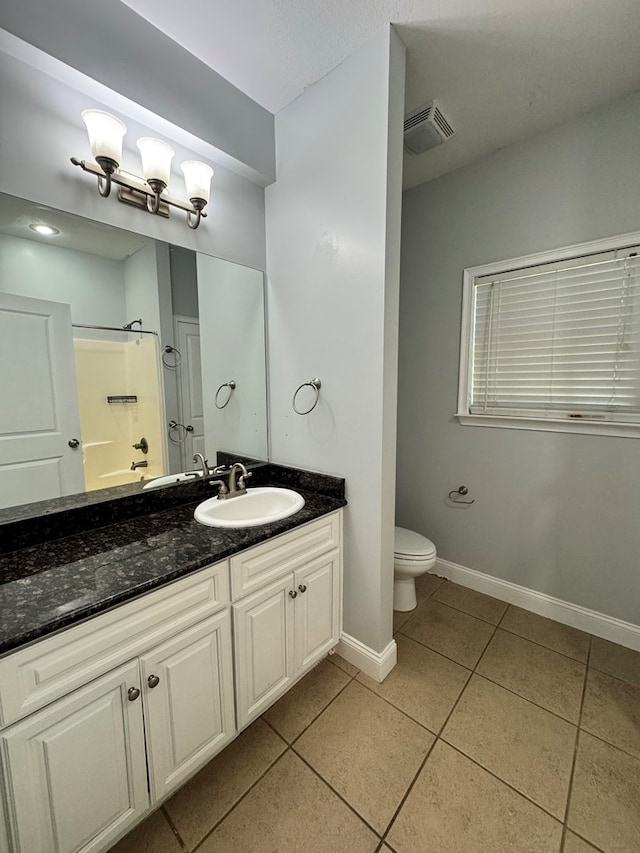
pixel 39 419
pixel 190 435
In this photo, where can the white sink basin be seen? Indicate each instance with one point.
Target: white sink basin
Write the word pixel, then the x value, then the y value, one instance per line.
pixel 169 479
pixel 260 505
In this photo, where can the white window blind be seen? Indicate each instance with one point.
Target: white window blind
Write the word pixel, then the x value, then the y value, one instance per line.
pixel 559 340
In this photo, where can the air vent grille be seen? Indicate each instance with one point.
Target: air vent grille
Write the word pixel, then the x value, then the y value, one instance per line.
pixel 425 128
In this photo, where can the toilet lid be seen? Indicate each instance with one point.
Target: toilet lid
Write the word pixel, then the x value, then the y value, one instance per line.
pixel 411 544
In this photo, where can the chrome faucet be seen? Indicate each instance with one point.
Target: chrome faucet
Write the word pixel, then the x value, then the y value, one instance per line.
pixel 202 462
pixel 135 465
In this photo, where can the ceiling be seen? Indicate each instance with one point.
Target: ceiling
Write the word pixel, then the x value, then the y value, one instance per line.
pixel 75 232
pixel 503 70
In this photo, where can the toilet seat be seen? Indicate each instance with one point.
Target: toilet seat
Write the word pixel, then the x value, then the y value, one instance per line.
pixel 409 545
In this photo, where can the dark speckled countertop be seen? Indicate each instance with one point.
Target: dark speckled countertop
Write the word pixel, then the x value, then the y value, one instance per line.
pixel 49 585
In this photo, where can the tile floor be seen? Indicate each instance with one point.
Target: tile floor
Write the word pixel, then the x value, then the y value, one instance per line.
pixel 498 730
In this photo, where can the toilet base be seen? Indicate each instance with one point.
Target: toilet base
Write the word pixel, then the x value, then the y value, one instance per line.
pixel 404 594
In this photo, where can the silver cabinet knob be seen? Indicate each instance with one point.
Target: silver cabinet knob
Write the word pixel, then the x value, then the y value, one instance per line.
pixel 132 694
pixel 73 443
pixel 293 593
pixel 302 587
pixel 153 681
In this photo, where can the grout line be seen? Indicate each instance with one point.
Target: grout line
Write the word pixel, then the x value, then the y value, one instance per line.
pixel 608 743
pixel 615 677
pixel 460 610
pixel 400 710
pixel 409 789
pixel 319 714
pixel 338 795
pixel 548 648
pixel 501 780
pixel 415 778
pixel 174 828
pixel 240 799
pixel 575 750
pixel 526 698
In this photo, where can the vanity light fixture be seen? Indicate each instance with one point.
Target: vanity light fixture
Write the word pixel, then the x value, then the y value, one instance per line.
pixel 106 133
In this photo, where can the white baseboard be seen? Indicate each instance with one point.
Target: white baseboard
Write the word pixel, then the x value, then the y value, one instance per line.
pixel 376 665
pixel 599 624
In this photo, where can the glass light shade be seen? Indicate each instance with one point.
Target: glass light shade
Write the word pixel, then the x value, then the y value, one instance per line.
pixel 156 159
pixel 197 179
pixel 106 133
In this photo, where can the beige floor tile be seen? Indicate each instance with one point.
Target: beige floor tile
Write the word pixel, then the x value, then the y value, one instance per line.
pixel 573 844
pixel 471 602
pixel 561 638
pixel 291 715
pixel 605 796
pixel 154 835
pixel 200 804
pixel 343 664
pixel 367 751
pixel 457 807
pixel 290 810
pixel 426 584
pixel 615 660
pixel 524 745
pixel 423 684
pixel 457 635
pixel 612 711
pixel 399 618
pixel 545 677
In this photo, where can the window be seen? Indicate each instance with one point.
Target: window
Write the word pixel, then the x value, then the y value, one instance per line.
pixel 553 341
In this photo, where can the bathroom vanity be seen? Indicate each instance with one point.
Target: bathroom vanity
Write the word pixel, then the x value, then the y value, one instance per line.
pixel 106 710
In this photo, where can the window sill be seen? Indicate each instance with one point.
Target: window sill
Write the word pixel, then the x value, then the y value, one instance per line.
pixel 581 426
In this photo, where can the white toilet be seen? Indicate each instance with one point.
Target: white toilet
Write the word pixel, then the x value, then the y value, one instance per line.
pixel 413 556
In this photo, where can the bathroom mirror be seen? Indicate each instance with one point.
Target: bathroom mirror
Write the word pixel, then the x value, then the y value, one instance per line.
pixel 70 372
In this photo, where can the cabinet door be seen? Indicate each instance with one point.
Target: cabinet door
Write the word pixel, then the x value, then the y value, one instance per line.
pixel 188 701
pixel 75 772
pixel 263 640
pixel 317 610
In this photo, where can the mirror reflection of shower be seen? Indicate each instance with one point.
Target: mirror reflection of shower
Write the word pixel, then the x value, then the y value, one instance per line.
pixel 120 400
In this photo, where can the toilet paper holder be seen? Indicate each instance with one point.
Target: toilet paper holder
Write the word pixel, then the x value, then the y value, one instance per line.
pixel 456 494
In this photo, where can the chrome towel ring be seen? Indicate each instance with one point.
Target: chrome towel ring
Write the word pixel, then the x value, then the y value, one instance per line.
pixel 231 385
pixel 177 357
pixel 316 384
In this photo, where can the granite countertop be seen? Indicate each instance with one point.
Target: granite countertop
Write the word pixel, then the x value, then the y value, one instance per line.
pixel 53 584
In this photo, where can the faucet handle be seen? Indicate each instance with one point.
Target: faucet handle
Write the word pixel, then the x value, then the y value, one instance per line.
pixel 222 486
pixel 221 469
pixel 242 478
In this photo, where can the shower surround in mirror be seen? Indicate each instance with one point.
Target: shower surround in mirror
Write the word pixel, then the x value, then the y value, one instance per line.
pixel 109 430
pixel 102 276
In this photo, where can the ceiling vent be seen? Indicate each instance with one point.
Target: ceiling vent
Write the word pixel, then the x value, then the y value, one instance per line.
pixel 426 128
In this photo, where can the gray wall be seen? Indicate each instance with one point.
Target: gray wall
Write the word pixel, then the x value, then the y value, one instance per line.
pixel 184 282
pixel 333 257
pixel 557 513
pixel 92 286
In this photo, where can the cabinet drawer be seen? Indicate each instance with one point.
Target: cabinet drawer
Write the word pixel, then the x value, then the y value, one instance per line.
pixel 257 566
pixel 38 674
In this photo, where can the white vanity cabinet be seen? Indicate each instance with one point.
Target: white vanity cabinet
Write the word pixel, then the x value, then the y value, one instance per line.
pixel 75 771
pixel 286 597
pixel 99 723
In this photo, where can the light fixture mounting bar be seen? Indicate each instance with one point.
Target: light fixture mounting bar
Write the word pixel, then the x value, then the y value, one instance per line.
pixel 135 190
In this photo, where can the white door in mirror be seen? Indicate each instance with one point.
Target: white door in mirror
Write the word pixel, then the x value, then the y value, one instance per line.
pixel 260 505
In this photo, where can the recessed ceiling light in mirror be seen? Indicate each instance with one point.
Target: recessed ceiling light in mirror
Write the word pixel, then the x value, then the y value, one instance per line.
pixel 45 230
